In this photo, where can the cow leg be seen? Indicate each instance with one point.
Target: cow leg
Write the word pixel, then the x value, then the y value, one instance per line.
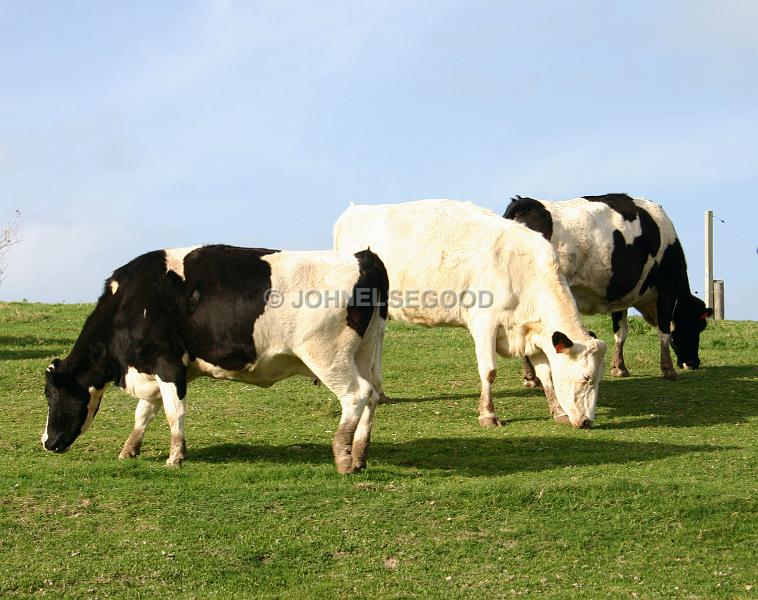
pixel 664 311
pixel 146 410
pixel 362 437
pixel 369 364
pixel 620 331
pixel 485 336
pixel 340 374
pixel 175 409
pixel 667 366
pixel 530 377
pixel 354 404
pixel 542 370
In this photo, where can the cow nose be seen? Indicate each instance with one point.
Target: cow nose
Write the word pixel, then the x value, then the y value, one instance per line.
pixel 54 445
pixel 586 424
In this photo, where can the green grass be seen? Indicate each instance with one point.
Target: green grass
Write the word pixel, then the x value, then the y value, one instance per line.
pixel 656 501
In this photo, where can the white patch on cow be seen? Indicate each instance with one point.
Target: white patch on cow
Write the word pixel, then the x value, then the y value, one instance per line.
pixel 185 359
pixel 144 313
pixel 141 385
pixel 175 259
pixel 583 239
pixel 114 286
pixel 95 396
pixel 44 436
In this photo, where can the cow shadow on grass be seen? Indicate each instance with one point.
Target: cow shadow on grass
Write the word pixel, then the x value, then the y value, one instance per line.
pixel 29 347
pixel 708 396
pixel 504 392
pixel 472 456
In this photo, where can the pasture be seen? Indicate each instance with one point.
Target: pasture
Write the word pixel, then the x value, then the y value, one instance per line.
pixel 656 501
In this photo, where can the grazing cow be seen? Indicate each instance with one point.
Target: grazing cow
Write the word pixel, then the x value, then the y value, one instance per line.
pixel 616 252
pixel 456 264
pixel 231 313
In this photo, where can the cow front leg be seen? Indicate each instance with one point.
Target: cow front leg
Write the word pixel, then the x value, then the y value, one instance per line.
pixel 543 371
pixel 667 366
pixel 485 337
pixel 530 377
pixel 620 331
pixel 146 410
pixel 175 409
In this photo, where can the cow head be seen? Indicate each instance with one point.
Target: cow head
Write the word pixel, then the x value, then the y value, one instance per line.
pixel 575 368
pixel 688 322
pixel 70 408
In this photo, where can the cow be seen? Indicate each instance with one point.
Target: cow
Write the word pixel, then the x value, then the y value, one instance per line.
pixel 226 312
pixel 448 250
pixel 619 252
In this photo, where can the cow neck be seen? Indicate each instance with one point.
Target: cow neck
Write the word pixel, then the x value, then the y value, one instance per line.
pixel 88 360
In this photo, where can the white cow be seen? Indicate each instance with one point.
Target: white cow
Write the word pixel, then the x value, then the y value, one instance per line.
pixel 515 300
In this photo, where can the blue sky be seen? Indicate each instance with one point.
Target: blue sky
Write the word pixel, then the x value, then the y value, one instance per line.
pixel 130 126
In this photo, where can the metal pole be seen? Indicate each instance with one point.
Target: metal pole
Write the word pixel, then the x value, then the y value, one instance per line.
pixel 718 299
pixel 709 258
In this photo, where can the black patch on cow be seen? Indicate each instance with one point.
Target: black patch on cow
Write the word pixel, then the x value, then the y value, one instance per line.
pixel 628 260
pixel 531 213
pixel 621 203
pixel 616 318
pixel 370 290
pixel 222 296
pixel 650 280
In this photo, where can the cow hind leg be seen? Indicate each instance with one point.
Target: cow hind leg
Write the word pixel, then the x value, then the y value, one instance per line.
pixel 341 375
pixel 485 336
pixel 354 430
pixel 620 331
pixel 146 410
pixel 369 364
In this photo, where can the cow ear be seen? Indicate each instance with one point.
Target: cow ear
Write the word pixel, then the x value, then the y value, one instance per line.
pixel 708 313
pixel 561 342
pixel 53 366
pixel 54 375
pixel 592 334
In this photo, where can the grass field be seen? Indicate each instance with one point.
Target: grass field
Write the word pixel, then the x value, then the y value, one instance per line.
pixel 658 500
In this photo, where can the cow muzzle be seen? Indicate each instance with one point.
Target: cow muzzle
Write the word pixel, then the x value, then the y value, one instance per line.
pixel 690 365
pixel 57 445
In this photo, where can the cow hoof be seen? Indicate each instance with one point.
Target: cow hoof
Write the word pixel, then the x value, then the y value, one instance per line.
pixel 616 372
pixel 562 419
pixel 174 462
pixel 130 453
pixel 670 374
pixel 532 383
pixel 384 399
pixel 489 421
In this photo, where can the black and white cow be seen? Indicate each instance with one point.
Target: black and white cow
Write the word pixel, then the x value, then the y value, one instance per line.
pixel 233 313
pixel 619 252
pixel 455 264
